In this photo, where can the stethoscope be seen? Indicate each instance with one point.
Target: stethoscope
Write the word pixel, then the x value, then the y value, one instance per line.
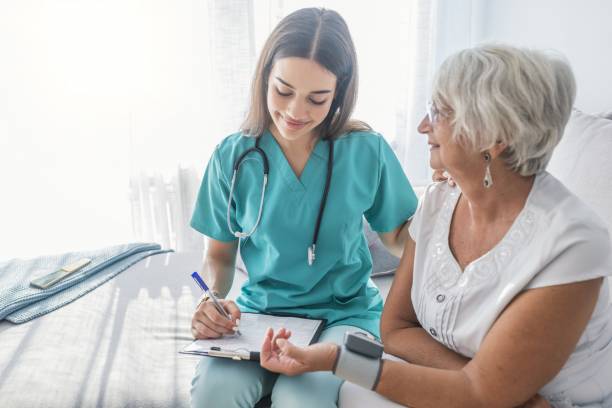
pixel 266 170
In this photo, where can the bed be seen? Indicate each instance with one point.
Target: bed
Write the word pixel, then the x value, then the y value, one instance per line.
pixel 114 347
pixel 118 345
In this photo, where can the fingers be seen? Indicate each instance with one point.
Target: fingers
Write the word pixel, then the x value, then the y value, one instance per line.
pixel 289 350
pixel 207 322
pixel 269 334
pixel 272 337
pixel 282 333
pixel 266 346
pixel 442 175
pixel 200 330
pixel 233 310
pixel 448 178
pixel 217 318
pixel 537 401
pixel 438 175
pixel 276 337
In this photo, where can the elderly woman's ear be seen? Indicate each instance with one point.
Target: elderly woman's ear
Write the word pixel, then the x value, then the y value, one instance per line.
pixel 497 149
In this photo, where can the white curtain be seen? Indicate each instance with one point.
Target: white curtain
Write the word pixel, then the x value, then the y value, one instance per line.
pixel 110 110
pixel 396 46
pixel 162 199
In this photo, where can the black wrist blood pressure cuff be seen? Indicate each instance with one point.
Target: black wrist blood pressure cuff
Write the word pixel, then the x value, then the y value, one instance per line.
pixel 359 360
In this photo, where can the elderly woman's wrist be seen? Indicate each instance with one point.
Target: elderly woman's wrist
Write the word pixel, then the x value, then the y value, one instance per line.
pixel 331 359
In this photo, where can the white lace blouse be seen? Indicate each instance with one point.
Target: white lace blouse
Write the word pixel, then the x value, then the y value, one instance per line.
pixel 555 239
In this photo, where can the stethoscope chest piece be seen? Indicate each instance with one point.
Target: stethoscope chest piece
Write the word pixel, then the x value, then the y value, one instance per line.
pixel 311 254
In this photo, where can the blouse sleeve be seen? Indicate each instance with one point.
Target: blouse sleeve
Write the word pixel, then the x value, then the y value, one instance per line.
pixel 582 252
pixel 429 206
pixel 415 223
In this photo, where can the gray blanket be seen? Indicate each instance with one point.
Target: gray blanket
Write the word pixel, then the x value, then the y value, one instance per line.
pixel 20 302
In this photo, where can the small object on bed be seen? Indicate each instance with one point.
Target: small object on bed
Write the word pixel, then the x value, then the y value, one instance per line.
pixel 51 279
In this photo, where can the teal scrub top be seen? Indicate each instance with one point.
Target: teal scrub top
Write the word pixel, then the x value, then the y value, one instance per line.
pixel 367 181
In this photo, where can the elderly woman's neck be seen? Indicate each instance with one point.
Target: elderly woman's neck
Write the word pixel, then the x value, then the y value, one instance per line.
pixel 504 199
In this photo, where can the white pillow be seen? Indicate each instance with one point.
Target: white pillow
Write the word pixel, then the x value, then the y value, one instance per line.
pixel 607 115
pixel 583 162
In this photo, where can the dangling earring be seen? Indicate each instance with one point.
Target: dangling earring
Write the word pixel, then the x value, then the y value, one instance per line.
pixel 488 180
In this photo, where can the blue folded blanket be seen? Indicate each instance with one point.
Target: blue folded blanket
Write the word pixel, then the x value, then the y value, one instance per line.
pixel 20 302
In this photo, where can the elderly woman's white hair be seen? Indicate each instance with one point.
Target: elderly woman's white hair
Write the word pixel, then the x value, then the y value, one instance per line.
pixel 498 93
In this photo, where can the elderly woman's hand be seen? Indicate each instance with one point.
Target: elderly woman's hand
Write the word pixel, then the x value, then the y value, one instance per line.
pixel 536 402
pixel 442 175
pixel 280 356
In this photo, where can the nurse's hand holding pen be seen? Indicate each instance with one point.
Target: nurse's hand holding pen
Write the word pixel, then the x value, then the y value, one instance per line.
pixel 208 322
pixel 213 317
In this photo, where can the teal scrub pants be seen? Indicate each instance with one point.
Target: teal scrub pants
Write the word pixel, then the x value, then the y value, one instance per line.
pixel 223 383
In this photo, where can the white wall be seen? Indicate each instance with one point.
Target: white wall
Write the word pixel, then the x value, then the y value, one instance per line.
pixel 81 82
pixel 582 30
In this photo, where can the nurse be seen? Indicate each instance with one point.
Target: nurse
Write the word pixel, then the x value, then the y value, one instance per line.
pixel 301 234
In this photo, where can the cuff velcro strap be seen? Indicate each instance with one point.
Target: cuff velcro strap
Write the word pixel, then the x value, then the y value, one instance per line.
pixel 358 369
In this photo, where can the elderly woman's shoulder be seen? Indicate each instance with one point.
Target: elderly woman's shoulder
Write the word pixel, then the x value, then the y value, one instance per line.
pixel 440 189
pixel 561 206
pixel 436 193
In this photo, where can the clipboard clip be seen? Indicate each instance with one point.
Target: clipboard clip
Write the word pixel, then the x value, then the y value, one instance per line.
pixel 239 354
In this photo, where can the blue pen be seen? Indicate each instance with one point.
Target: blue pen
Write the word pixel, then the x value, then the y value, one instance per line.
pixel 196 277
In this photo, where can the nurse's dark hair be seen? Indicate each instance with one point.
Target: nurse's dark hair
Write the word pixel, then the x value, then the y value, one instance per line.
pixel 320 35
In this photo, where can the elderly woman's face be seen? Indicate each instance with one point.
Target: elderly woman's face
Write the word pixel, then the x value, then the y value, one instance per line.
pixel 444 152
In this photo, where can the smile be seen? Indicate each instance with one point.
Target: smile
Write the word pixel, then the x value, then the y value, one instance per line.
pixel 294 124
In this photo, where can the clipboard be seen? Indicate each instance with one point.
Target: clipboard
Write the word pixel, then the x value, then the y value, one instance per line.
pixel 304 331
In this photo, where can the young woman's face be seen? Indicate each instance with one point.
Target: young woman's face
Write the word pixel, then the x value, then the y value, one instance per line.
pixel 300 93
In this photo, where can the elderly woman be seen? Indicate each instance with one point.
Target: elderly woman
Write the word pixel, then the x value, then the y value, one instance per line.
pixel 501 296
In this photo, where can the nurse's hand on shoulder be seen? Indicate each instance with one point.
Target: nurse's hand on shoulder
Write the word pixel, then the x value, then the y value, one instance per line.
pixel 208 323
pixel 280 356
pixel 442 175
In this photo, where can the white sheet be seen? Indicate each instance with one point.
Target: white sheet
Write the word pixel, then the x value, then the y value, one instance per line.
pixel 115 347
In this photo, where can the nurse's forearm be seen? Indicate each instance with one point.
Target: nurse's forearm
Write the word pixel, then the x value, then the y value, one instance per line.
pixel 395 240
pixel 220 275
pixel 219 265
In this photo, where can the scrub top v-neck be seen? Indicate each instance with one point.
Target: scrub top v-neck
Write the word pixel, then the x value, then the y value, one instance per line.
pixel 367 180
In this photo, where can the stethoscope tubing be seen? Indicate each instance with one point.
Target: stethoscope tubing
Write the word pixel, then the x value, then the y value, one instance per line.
pixel 237 164
pixel 258 150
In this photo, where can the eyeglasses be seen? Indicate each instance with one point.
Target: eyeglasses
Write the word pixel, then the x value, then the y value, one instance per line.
pixel 432 112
